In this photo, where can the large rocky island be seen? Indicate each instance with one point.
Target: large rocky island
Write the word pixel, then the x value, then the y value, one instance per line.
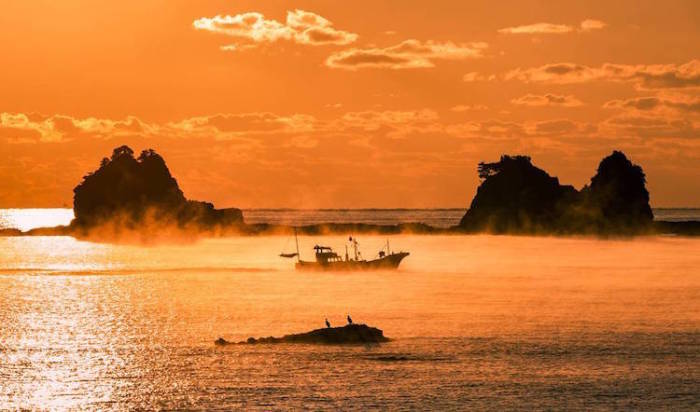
pixel 129 196
pixel 517 197
pixel 348 334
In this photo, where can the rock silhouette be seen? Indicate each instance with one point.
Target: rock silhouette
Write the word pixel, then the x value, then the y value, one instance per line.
pixel 134 192
pixel 348 334
pixel 517 197
pixel 129 196
pixel 618 195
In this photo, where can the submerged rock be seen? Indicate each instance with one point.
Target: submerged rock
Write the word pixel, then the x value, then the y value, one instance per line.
pixel 349 334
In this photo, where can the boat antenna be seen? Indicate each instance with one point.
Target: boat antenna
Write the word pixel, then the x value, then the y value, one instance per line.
pixel 296 240
pixel 354 245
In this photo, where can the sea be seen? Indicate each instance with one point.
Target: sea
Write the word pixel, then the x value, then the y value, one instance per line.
pixel 25 219
pixel 477 322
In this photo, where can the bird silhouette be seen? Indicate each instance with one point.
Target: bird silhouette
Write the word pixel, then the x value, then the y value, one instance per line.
pixel 328 324
pixel 349 320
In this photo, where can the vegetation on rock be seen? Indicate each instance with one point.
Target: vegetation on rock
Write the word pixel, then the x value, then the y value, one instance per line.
pixel 517 197
pixel 140 192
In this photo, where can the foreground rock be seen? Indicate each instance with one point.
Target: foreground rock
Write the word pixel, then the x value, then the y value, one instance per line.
pixel 350 334
pixel 517 197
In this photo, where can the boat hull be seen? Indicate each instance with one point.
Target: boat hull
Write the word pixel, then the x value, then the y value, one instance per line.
pixel 387 262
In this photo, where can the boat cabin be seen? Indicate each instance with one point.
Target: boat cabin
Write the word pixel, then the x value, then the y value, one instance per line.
pixel 325 254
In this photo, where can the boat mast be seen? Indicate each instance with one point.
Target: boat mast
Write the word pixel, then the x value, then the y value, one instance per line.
pixel 296 240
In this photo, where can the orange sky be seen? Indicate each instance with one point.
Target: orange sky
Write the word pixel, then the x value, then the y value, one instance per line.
pixel 346 104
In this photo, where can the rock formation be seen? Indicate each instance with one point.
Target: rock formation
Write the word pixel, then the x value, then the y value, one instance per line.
pixel 349 334
pixel 140 192
pixel 517 197
pixel 617 196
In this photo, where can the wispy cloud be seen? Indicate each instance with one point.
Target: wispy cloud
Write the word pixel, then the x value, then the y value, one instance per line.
pixel 538 28
pixel 547 100
pixel 468 107
pixel 409 54
pixel 591 24
pixel 253 28
pixel 21 127
pixel 477 77
pixel 653 76
pixel 651 126
pixel 560 127
pixel 551 28
pixel 681 103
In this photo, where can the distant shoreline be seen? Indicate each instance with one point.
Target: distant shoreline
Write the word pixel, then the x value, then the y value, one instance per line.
pixel 686 228
pixel 318 222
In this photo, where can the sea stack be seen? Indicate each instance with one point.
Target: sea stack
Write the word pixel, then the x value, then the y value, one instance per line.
pixel 141 194
pixel 517 197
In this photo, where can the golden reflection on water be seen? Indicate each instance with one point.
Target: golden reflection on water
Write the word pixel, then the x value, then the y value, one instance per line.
pixel 96 325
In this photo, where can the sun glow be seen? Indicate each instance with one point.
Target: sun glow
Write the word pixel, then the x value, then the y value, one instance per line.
pixel 27 219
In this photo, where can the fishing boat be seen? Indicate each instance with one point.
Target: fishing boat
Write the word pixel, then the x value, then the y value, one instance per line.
pixel 327 259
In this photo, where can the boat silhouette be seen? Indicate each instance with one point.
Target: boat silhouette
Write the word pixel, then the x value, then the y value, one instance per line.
pixel 327 259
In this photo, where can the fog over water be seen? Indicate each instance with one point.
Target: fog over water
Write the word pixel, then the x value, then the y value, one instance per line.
pixel 477 321
pixel 25 219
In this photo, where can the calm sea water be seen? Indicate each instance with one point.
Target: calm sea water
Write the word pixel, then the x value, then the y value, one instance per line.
pixel 26 219
pixel 478 322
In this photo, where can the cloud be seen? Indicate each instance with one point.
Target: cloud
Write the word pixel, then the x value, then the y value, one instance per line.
pixel 372 119
pixel 560 127
pixel 477 77
pixel 681 103
pixel 495 129
pixel 488 129
pixel 395 124
pixel 551 28
pixel 251 132
pixel 244 125
pixel 279 155
pixel 20 127
pixel 590 24
pixel 639 103
pixel 651 126
pixel 409 54
pixel 253 28
pixel 654 76
pixel 465 108
pixel 538 28
pixel 547 100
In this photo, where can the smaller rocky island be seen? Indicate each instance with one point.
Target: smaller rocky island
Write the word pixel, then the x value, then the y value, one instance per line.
pixel 348 334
